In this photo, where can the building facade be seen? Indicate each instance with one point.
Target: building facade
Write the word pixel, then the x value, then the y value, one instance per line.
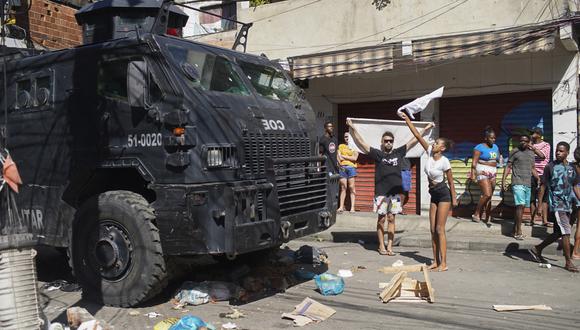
pixel 512 65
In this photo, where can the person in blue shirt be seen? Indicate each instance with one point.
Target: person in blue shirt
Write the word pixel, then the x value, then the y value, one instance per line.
pixel 484 171
pixel 559 185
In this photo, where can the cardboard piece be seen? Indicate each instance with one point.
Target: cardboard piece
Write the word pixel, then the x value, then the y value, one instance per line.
pixel 309 311
pixel 512 308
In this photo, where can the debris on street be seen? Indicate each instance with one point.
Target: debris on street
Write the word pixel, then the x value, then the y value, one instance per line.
pixel 405 289
pixel 152 315
pixel 134 313
pixel 229 325
pixel 307 254
pixel 344 273
pixel 61 285
pixel 166 324
pixel 190 322
pixel 80 318
pixel 309 311
pixel 329 284
pixel 513 308
pixel 234 315
pixel 398 263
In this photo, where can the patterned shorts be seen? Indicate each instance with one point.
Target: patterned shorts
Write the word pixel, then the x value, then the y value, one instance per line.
pixel 388 205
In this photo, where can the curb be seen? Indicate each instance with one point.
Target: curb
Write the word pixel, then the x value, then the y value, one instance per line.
pixel 424 241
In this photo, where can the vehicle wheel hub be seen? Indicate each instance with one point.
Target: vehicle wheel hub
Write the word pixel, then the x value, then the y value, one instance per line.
pixel 112 251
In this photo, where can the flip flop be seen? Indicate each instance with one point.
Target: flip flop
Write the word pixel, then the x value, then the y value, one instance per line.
pixel 519 237
pixel 575 257
pixel 391 253
pixel 536 256
pixel 443 269
pixel 474 218
pixel 383 252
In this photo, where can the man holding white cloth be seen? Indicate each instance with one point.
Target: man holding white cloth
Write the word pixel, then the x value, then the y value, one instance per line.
pixel 388 182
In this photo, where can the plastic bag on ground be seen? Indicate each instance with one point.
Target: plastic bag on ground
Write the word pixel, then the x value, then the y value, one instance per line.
pixel 190 322
pixel 329 284
pixel 197 293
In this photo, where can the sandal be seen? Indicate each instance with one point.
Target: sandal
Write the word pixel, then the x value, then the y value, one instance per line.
pixel 475 218
pixel 519 237
pixel 391 253
pixel 537 257
pixel 383 252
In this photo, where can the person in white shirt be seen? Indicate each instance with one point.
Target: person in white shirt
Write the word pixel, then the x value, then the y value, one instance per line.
pixel 442 197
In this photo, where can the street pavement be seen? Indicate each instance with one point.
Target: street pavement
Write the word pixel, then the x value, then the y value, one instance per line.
pixel 464 295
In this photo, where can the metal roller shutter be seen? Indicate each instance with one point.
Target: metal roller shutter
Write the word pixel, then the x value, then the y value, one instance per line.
pixel 463 120
pixel 365 181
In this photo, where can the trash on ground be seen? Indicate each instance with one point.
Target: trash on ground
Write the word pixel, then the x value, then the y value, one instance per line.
pixel 234 315
pixel 405 289
pixel 310 255
pixel 398 263
pixel 329 284
pixel 134 313
pixel 77 315
pixel 94 325
pixel 56 326
pixel 229 325
pixel 198 293
pixel 190 322
pixel 319 239
pixel 344 273
pixel 309 311
pixel 545 266
pixel 345 253
pixel 166 324
pixel 307 272
pixel 61 285
pixel 513 308
pixel 153 315
pixel 355 269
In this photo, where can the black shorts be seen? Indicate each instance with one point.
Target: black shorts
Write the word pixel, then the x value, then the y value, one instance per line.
pixel 440 193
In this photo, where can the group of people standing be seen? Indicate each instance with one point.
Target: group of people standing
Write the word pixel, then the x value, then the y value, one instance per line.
pixel 556 183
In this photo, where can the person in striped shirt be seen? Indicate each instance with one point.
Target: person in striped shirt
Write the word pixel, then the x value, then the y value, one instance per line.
pixel 541 150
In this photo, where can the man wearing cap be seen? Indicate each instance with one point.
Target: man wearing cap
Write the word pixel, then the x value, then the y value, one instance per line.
pixel 541 150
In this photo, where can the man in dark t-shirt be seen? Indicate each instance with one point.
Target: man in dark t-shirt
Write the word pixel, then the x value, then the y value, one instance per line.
pixel 328 146
pixel 388 182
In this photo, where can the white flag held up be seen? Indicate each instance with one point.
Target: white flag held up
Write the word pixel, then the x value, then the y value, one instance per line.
pixel 421 103
pixel 371 130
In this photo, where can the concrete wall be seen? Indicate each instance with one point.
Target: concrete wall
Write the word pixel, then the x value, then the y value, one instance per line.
pixel 555 70
pixel 297 27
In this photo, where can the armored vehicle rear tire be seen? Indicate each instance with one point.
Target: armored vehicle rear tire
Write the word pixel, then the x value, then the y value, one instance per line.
pixel 116 250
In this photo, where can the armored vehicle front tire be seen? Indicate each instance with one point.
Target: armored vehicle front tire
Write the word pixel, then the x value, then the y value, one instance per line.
pixel 116 251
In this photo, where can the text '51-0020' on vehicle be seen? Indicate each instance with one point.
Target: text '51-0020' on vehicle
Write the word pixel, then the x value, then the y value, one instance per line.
pixel 139 146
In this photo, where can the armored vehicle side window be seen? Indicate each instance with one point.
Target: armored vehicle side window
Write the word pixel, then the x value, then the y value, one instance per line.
pixel 269 82
pixel 208 71
pixel 113 78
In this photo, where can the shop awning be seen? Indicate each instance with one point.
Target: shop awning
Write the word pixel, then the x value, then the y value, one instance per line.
pixel 380 58
pixel 332 64
pixel 482 44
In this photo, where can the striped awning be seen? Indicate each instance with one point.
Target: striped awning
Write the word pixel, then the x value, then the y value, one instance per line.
pixel 380 58
pixel 332 64
pixel 482 44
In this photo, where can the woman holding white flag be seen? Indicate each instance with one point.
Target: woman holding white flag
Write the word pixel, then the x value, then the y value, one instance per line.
pixel 437 169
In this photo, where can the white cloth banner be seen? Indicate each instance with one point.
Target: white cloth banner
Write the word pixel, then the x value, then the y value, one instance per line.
pixel 372 130
pixel 421 103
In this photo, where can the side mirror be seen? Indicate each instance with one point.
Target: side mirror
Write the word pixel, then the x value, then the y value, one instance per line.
pixel 137 83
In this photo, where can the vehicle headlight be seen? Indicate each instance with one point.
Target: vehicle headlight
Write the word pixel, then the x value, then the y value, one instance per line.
pixel 215 158
pixel 221 156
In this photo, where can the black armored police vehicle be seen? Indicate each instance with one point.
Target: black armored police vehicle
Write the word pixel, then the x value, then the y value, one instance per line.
pixel 139 146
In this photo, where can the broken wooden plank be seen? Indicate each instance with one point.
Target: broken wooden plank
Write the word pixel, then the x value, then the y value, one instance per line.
pixel 511 308
pixel 429 287
pixel 393 287
pixel 408 269
pixel 409 300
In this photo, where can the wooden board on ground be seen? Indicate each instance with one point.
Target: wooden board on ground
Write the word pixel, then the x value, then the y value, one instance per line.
pixel 408 269
pixel 512 308
pixel 429 286
pixel 405 289
pixel 393 288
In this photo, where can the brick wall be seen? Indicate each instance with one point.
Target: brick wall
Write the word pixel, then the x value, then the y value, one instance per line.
pixel 52 25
